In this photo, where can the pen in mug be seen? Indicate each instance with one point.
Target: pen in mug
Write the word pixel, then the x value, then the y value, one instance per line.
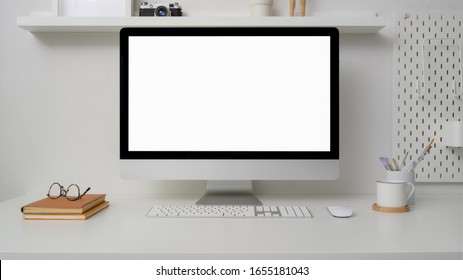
pixel 412 166
pixel 403 161
pixel 423 154
pixel 397 168
pixel 386 164
pixel 389 163
pixel 425 151
pixel 427 148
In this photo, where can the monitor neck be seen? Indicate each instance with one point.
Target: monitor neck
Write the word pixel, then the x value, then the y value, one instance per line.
pixel 230 192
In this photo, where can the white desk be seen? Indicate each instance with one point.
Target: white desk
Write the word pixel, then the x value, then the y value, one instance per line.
pixel 432 230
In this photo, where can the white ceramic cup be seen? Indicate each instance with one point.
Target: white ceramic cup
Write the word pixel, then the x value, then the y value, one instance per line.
pixel 393 194
pixel 406 176
pixel 260 8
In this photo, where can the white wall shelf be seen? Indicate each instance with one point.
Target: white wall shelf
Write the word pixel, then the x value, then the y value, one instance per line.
pixel 367 24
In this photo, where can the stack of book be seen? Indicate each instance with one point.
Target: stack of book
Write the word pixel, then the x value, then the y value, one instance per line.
pixel 64 209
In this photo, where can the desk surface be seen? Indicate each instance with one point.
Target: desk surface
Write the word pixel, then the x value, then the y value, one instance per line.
pixel 433 229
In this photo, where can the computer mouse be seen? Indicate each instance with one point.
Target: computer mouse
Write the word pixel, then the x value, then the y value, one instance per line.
pixel 340 211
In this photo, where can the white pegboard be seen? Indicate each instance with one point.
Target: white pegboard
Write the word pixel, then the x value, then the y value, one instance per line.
pixel 427 85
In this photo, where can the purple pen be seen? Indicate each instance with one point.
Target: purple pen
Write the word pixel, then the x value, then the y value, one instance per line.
pixel 412 166
pixel 384 161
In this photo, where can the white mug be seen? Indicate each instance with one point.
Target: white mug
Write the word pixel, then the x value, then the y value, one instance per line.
pixel 261 8
pixel 406 176
pixel 393 194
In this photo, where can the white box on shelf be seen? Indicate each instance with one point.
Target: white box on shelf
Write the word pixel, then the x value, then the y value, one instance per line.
pixel 54 12
pixel 76 8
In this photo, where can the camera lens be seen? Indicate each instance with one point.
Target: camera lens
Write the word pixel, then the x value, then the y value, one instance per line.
pixel 162 11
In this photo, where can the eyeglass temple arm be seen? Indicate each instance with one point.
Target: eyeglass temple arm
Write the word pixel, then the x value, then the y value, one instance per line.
pixel 85 192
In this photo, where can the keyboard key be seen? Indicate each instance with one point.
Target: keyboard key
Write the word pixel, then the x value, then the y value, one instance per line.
pixel 306 212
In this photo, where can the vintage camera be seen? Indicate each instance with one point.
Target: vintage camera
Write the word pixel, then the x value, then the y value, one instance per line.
pixel 160 10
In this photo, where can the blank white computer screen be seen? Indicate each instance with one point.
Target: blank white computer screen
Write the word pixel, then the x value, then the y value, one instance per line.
pixel 230 93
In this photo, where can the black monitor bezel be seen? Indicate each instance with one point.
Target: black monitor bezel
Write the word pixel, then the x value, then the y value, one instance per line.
pixel 332 32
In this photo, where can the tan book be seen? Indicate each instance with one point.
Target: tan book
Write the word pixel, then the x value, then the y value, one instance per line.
pixel 82 216
pixel 62 205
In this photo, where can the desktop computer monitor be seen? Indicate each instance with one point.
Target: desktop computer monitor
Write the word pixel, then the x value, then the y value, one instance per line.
pixel 229 105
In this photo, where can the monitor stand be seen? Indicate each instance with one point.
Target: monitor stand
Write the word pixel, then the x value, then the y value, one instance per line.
pixel 233 192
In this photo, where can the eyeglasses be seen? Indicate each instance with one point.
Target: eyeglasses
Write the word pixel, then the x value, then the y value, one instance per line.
pixel 72 193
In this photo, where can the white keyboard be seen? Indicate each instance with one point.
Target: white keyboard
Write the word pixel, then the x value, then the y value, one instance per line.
pixel 228 211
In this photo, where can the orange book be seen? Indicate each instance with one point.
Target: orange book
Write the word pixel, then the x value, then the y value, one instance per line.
pixel 82 216
pixel 62 205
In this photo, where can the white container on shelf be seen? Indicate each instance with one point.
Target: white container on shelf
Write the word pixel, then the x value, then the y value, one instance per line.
pixel 261 8
pixel 85 8
pixel 452 134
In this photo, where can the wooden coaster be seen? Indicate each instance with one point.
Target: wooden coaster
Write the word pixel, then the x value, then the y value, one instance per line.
pixel 378 208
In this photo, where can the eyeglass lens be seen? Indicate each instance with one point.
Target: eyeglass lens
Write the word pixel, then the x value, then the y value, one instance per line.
pixel 55 191
pixel 73 192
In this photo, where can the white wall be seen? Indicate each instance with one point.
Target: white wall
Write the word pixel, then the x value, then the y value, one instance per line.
pixel 59 98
